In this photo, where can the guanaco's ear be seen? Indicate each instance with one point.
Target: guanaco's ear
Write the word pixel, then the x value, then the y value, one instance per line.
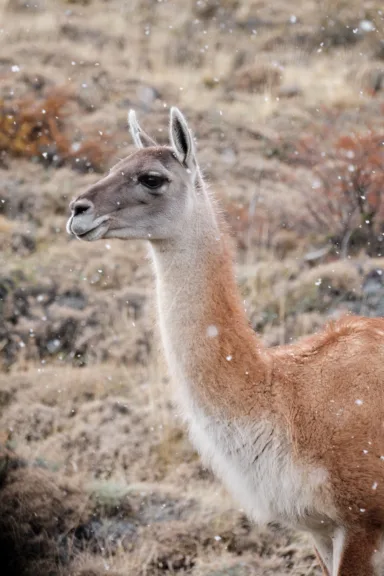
pixel 140 138
pixel 181 139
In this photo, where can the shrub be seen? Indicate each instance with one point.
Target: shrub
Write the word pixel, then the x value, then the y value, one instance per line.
pixel 347 196
pixel 38 129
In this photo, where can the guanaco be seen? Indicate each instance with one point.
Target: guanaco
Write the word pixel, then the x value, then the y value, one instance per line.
pixel 295 432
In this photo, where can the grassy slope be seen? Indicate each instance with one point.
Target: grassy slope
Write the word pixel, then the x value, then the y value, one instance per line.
pixel 84 393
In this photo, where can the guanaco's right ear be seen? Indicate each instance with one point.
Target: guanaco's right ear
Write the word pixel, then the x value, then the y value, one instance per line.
pixel 140 138
pixel 181 139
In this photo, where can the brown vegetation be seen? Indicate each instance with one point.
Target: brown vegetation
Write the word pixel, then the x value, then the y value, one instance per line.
pixel 34 128
pixel 347 201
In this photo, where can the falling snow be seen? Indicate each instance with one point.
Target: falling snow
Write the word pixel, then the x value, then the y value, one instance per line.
pixel 212 331
pixel 85 389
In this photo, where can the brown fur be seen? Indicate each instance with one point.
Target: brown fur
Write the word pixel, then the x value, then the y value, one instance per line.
pixel 313 385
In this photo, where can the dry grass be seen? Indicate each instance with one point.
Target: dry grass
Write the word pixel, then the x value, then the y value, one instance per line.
pixel 169 521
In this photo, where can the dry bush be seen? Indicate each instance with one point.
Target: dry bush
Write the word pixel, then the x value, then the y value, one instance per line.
pixel 370 78
pixel 36 128
pixel 255 78
pixel 29 127
pixel 346 200
pixel 255 225
pixel 245 225
pixel 38 514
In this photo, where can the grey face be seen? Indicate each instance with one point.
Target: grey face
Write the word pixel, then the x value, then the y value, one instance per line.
pixel 145 196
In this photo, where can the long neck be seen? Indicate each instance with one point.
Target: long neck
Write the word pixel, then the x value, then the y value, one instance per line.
pixel 208 344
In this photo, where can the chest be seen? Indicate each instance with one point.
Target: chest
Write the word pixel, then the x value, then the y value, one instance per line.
pixel 253 461
pixel 252 457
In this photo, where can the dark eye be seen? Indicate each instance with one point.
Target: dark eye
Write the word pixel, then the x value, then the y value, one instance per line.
pixel 152 181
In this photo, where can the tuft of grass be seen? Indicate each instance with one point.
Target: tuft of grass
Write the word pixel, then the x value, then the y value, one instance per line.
pixel 111 498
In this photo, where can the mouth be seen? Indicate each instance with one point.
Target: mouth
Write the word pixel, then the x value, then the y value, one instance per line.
pixel 94 233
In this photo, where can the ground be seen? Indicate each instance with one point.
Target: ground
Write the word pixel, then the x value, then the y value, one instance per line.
pixel 286 101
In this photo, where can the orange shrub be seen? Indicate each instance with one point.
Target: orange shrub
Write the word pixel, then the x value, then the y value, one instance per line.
pixel 38 128
pixel 347 196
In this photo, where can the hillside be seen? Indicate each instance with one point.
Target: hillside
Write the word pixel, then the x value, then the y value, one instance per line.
pixel 287 104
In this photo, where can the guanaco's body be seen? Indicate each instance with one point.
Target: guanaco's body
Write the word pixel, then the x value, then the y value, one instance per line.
pixel 296 432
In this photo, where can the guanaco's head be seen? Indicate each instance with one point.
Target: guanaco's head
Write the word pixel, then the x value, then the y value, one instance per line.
pixel 147 195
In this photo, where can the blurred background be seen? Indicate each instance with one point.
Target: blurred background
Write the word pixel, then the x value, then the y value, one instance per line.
pixel 286 100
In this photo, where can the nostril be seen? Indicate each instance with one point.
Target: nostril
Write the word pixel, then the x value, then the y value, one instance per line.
pixel 77 210
pixel 81 206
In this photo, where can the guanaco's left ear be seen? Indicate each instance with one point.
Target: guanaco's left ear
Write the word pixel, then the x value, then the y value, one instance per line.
pixel 181 139
pixel 140 138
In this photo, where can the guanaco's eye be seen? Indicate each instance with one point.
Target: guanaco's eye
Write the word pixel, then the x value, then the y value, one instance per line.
pixel 152 181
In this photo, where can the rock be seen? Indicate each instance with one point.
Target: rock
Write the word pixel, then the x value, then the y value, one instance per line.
pixel 334 33
pixel 72 299
pixel 35 81
pixel 380 50
pixel 373 291
pixel 218 9
pixel 23 243
pixel 289 91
